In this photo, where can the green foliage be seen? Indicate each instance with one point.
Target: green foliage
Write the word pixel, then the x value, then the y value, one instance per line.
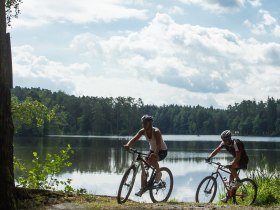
pixel 268 182
pixel 42 174
pixel 12 10
pixel 120 116
pixel 173 201
pixel 31 112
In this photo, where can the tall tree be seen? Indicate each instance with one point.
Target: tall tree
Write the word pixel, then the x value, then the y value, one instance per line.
pixel 7 189
pixel 8 10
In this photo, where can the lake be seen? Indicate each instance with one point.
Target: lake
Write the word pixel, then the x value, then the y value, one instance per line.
pixel 99 162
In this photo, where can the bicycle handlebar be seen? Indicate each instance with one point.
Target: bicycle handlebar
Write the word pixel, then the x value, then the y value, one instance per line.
pixel 132 150
pixel 218 164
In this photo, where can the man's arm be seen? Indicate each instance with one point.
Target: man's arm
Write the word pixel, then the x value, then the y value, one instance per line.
pixel 134 139
pixel 215 152
pixel 236 159
pixel 158 140
pixel 237 155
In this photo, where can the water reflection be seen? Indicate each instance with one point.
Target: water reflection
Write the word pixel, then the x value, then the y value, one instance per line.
pixel 98 163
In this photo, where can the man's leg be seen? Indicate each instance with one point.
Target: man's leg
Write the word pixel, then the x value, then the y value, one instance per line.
pixel 234 172
pixel 143 181
pixel 153 161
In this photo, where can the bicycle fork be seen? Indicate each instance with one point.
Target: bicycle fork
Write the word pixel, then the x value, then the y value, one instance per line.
pixel 209 186
pixel 145 184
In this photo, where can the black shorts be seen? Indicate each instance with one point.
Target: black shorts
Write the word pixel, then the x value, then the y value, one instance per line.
pixel 162 154
pixel 242 164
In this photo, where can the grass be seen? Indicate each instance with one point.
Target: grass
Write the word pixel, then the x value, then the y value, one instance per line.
pixel 107 202
pixel 91 201
pixel 268 183
pixel 268 186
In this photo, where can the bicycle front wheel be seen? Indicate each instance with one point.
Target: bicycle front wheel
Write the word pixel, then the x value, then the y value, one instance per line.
pixel 206 190
pixel 246 193
pixel 161 191
pixel 126 184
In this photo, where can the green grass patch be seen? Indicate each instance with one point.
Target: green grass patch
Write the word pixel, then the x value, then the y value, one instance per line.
pixel 268 182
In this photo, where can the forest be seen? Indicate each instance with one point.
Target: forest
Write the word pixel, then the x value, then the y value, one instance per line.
pixel 121 116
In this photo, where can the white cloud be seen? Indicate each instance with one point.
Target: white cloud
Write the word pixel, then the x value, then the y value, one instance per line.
pixel 267 25
pixel 258 29
pixel 276 31
pixel 32 70
pixel 255 3
pixel 175 10
pixel 268 20
pixel 217 6
pixel 164 62
pixel 40 12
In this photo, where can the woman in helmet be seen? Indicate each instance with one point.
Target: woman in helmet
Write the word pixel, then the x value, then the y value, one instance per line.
pixel 158 148
pixel 236 148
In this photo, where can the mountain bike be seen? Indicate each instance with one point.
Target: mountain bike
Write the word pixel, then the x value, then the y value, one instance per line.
pixel 159 191
pixel 245 194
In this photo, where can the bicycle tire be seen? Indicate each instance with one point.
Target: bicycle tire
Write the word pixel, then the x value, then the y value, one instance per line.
pixel 122 199
pixel 248 189
pixel 160 185
pixel 207 180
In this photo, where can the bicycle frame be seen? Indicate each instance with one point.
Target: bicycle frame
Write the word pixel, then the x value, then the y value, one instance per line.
pixel 207 188
pixel 217 174
pixel 140 161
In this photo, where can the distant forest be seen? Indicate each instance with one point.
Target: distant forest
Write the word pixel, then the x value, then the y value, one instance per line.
pixel 121 116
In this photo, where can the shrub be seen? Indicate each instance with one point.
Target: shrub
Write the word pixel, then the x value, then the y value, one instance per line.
pixel 268 182
pixel 42 174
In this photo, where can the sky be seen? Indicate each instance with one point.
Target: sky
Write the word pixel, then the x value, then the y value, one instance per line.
pixel 186 52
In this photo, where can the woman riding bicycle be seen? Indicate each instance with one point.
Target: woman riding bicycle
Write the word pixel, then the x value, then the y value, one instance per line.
pixel 158 148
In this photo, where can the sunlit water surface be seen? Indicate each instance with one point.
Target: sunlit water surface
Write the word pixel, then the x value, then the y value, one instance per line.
pixel 99 162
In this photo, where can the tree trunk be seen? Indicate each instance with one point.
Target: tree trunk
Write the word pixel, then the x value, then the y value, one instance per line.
pixel 7 185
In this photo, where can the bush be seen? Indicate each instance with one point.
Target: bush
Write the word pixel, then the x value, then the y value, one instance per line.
pixel 268 182
pixel 42 174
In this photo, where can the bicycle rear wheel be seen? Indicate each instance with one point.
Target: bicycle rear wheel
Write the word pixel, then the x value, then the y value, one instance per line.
pixel 246 193
pixel 161 191
pixel 206 190
pixel 126 184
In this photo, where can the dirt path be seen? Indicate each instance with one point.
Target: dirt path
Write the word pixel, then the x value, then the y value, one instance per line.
pixel 105 202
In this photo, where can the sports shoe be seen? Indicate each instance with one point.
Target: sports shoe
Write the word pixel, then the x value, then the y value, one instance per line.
pixel 158 176
pixel 140 192
pixel 236 184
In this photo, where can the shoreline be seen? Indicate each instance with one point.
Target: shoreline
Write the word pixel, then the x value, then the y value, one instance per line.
pixel 52 200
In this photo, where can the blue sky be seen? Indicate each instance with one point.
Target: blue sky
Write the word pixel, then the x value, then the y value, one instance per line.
pixel 207 52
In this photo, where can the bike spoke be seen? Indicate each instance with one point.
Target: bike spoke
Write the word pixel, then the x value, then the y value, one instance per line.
pixel 161 191
pixel 246 193
pixel 126 185
pixel 206 190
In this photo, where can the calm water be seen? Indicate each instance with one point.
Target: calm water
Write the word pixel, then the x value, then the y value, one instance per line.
pixel 99 162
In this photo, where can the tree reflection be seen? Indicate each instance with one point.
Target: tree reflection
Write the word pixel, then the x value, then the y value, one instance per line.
pixel 99 155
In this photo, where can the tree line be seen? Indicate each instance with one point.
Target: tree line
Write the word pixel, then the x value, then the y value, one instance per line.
pixel 121 116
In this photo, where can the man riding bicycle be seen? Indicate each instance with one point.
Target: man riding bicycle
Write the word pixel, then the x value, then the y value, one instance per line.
pixel 158 148
pixel 236 148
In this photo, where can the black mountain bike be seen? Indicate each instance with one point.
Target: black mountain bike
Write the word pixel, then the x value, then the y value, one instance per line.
pixel 245 194
pixel 159 191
